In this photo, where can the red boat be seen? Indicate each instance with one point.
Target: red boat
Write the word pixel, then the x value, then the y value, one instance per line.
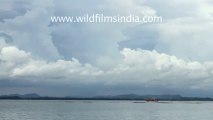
pixel 151 100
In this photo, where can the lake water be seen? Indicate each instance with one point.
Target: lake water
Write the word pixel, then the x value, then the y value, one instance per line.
pixel 103 110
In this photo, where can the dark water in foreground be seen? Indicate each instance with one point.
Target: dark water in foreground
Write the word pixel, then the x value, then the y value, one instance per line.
pixel 103 110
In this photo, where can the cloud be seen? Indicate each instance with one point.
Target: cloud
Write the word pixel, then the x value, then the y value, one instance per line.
pixel 91 42
pixel 185 32
pixel 69 40
pixel 172 55
pixel 30 30
pixel 181 27
pixel 10 10
pixel 137 67
pixel 20 64
pixel 158 69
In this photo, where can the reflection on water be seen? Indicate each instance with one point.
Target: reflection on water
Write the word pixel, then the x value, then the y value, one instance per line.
pixel 104 110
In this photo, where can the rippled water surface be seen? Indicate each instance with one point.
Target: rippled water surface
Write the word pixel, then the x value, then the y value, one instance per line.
pixel 103 110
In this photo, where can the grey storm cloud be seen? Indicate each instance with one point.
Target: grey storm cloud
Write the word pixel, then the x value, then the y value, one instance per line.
pixel 185 32
pixel 111 57
pixel 11 9
pixel 93 42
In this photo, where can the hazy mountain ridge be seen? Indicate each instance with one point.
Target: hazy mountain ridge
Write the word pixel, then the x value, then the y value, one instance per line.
pixel 34 96
pixel 135 96
pixel 29 95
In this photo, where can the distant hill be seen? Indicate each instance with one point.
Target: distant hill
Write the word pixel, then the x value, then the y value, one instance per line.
pixel 30 95
pixel 34 96
pixel 142 97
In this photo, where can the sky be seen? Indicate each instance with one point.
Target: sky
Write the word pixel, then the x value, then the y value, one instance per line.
pixel 89 59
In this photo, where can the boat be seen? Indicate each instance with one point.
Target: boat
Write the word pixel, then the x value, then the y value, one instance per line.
pixel 151 100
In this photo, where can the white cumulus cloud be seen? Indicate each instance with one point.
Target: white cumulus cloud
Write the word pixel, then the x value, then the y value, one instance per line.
pixel 148 68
